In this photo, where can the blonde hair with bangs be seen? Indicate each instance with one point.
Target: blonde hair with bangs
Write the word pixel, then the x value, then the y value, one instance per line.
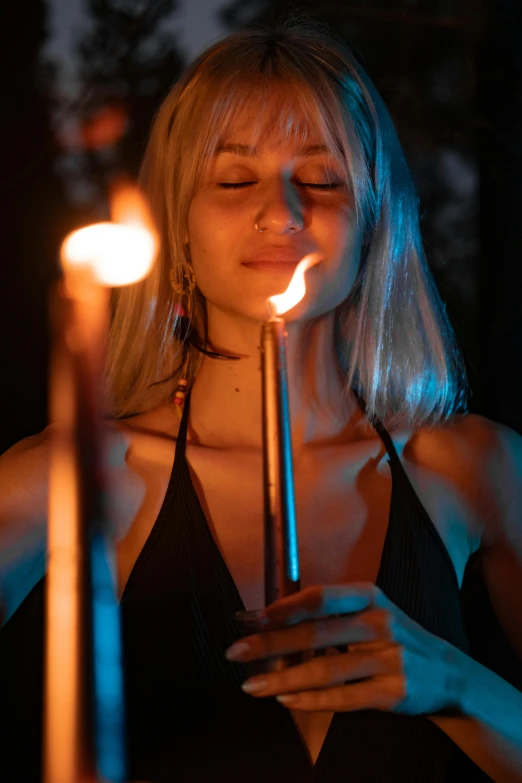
pixel 394 341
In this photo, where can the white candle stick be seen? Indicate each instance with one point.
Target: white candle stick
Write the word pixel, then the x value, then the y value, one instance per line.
pixel 83 703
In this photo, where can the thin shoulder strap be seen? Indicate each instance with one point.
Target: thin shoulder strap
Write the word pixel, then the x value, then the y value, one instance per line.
pixel 182 432
pixel 383 434
pixel 398 470
pixel 386 439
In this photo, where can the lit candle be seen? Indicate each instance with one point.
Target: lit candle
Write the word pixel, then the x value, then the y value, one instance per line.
pixel 282 575
pixel 83 703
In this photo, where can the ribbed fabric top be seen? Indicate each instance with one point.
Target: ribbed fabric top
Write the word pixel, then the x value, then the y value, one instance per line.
pixel 187 719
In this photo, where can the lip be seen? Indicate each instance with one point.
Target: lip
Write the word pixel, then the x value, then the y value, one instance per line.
pixel 272 266
pixel 276 255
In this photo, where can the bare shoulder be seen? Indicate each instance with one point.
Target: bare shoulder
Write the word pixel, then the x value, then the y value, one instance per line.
pixel 24 487
pixel 23 479
pixel 23 517
pixel 482 458
pixel 24 468
pixel 136 453
pixel 492 454
pixel 151 437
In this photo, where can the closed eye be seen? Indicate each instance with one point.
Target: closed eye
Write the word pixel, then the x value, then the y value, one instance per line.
pixel 312 185
pixel 232 185
pixel 321 185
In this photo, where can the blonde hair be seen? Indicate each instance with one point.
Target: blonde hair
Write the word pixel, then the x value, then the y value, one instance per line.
pixel 394 341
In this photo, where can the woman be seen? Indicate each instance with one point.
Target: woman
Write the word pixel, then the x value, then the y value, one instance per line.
pixel 274 145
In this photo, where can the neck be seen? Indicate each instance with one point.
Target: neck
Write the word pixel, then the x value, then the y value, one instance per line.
pixel 226 403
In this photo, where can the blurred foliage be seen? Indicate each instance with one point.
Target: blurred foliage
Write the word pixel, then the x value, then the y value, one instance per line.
pixel 127 63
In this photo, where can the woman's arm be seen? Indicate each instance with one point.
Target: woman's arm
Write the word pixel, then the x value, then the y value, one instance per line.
pixel 24 490
pixel 490 729
pixel 492 720
pixel 23 519
pixel 501 547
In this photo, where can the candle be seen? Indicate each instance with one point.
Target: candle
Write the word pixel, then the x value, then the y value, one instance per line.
pixel 282 575
pixel 83 702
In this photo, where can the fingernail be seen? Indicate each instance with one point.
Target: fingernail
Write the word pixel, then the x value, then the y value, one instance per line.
pixel 254 686
pixel 287 699
pixel 237 651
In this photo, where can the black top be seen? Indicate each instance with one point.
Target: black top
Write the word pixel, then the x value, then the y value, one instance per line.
pixel 188 720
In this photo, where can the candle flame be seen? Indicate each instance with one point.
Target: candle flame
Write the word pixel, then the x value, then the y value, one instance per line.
pixel 281 303
pixel 128 206
pixel 120 252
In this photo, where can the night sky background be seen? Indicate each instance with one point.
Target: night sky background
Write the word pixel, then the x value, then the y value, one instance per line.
pixel 80 82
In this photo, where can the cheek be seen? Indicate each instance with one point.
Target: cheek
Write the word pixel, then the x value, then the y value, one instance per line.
pixel 210 240
pixel 203 239
pixel 199 228
pixel 338 234
pixel 340 231
pixel 342 239
pixel 210 229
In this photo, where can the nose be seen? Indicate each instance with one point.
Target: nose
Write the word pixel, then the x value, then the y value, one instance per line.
pixel 281 211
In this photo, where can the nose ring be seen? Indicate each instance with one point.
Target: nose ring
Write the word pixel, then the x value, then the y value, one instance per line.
pixel 256 226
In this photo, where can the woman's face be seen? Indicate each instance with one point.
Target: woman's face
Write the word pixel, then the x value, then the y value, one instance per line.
pixel 298 197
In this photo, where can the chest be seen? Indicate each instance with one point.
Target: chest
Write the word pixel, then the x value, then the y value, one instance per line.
pixel 343 501
pixel 342 510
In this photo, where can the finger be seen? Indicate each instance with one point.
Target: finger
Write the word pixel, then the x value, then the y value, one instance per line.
pixel 326 672
pixel 379 644
pixel 371 626
pixel 322 601
pixel 379 693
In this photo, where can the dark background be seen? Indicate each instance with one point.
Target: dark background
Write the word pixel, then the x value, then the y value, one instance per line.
pixel 450 72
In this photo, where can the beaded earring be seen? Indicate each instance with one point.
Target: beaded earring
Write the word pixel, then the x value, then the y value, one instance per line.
pixel 186 332
pixel 179 395
pixel 183 292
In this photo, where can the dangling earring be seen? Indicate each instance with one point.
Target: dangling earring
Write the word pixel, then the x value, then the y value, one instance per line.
pixel 183 292
pixel 179 395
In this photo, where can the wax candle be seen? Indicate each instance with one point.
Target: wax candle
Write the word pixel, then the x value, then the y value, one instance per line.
pixel 83 699
pixel 282 576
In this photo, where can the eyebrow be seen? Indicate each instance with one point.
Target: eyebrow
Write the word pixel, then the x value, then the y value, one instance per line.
pixel 246 151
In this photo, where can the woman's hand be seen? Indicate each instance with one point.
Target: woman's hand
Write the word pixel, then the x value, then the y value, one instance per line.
pixel 388 661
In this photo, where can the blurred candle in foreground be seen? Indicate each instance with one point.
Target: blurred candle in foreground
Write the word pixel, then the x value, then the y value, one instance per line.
pixel 83 701
pixel 282 575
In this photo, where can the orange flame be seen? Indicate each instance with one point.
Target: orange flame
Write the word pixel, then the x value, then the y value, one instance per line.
pixel 281 303
pixel 128 205
pixel 120 252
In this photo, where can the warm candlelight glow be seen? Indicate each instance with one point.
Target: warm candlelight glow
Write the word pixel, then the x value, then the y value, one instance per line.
pixel 84 729
pixel 281 303
pixel 117 254
pixel 128 206
pixel 62 742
